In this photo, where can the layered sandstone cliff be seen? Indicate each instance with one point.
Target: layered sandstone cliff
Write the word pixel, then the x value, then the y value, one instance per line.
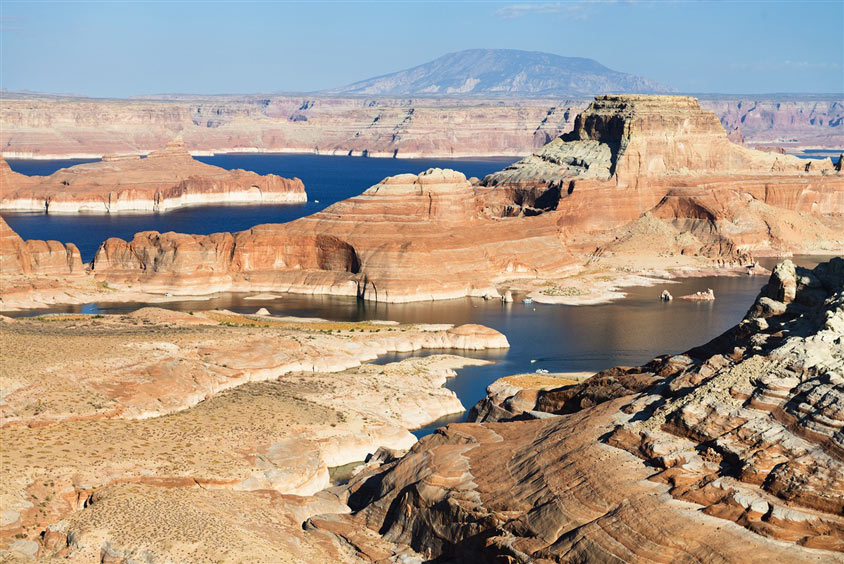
pixel 640 179
pixel 664 176
pixel 34 258
pixel 731 452
pixel 408 238
pixel 34 126
pixel 162 181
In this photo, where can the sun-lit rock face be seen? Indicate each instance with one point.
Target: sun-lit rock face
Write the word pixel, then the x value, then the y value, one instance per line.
pixel 36 257
pixel 410 237
pixel 640 180
pixel 638 175
pixel 635 157
pixel 731 452
pixel 637 138
pixel 164 180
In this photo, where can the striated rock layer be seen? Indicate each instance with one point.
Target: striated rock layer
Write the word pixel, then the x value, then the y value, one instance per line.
pixel 640 177
pixel 145 435
pixel 408 238
pixel 33 258
pixel 40 126
pixel 731 452
pixel 162 181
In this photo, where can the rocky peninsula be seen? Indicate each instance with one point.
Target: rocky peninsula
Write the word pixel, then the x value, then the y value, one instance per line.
pixel 161 181
pixel 730 452
pixel 643 185
pixel 251 410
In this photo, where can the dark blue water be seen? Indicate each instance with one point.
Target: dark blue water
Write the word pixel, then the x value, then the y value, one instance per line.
pixel 821 154
pixel 327 180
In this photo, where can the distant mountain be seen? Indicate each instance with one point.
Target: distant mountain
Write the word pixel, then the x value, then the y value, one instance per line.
pixel 504 72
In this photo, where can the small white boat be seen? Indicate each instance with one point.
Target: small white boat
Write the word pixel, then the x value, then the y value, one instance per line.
pixel 527 301
pixel 541 371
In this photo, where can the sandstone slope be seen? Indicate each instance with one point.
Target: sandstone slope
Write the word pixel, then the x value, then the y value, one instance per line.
pixel 731 452
pixel 33 258
pixel 162 181
pixel 250 411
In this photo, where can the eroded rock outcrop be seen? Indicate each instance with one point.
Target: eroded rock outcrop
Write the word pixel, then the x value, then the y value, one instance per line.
pixel 731 452
pixel 33 258
pixel 666 178
pixel 643 185
pixel 163 180
pixel 102 413
pixel 640 177
pixel 410 237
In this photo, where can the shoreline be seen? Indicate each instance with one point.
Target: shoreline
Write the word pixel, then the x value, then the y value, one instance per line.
pixel 151 206
pixel 805 150
pixel 609 293
pixel 22 156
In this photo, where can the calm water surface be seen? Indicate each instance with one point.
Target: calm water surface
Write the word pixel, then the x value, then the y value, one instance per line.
pixel 327 180
pixel 557 338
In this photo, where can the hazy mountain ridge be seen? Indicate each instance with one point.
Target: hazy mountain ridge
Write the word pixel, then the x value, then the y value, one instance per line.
pixel 504 72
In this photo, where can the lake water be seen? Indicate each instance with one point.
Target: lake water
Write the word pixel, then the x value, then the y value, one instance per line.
pixel 556 338
pixel 327 179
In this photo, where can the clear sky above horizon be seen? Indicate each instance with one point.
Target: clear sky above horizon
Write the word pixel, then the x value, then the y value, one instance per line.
pixel 130 48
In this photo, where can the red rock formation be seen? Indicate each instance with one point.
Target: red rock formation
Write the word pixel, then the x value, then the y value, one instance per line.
pixel 408 238
pixel 746 431
pixel 40 126
pixel 665 157
pixel 163 180
pixel 639 176
pixel 36 257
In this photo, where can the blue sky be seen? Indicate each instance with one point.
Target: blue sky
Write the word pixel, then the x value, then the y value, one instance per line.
pixel 126 48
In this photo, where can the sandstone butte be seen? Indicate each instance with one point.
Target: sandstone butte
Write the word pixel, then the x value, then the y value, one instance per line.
pixel 643 184
pixel 162 181
pixel 730 452
pixel 40 126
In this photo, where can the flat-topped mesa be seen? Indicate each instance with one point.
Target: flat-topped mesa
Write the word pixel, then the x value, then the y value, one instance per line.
pixel 175 149
pixel 162 181
pixel 631 138
pixel 435 195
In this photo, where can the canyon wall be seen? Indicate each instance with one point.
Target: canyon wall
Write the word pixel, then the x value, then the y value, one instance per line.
pixel 50 126
pixel 161 181
pixel 643 184
pixel 408 238
pixel 34 258
pixel 639 177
